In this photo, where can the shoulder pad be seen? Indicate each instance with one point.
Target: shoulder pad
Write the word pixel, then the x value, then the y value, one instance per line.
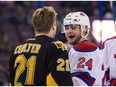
pixel 85 47
pixel 102 46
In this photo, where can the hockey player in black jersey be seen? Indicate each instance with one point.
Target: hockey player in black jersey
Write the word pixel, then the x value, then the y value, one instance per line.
pixel 41 60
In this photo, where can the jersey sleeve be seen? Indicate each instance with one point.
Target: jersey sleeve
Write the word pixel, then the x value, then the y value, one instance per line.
pixel 105 63
pixel 104 55
pixel 58 65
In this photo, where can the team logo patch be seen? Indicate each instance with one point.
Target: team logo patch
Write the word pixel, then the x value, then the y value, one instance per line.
pixel 60 45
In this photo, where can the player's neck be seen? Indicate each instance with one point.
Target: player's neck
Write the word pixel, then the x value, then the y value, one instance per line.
pixel 82 39
pixel 49 34
pixel 46 34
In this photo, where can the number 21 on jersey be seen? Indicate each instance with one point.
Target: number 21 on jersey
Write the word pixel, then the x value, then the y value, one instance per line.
pixel 23 63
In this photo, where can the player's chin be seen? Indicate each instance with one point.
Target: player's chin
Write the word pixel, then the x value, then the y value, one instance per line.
pixel 71 42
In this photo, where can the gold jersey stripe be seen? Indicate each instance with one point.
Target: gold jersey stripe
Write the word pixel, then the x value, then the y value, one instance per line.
pixel 51 81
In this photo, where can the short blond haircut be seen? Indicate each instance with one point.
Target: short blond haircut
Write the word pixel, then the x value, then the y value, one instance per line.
pixel 43 19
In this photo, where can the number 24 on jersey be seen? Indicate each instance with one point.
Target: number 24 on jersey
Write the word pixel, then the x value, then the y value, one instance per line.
pixel 82 63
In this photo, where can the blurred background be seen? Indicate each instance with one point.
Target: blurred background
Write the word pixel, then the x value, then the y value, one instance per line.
pixel 16 27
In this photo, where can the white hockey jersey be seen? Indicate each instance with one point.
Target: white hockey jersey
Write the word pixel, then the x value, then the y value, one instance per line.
pixel 109 57
pixel 85 64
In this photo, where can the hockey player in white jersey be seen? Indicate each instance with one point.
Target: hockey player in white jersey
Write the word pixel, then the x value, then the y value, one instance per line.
pixel 109 57
pixel 84 57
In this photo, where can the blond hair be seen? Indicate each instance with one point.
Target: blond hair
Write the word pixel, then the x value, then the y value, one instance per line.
pixel 43 19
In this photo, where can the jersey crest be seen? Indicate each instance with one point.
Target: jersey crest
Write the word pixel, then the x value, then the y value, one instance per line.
pixel 60 45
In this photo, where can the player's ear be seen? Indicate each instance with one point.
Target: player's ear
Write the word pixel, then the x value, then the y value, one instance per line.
pixel 84 32
pixel 53 26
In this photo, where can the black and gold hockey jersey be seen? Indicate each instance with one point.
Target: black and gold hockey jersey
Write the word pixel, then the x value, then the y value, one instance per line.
pixel 40 61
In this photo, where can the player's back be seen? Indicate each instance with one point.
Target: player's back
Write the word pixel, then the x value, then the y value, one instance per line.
pixel 31 62
pixel 109 55
pixel 85 62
